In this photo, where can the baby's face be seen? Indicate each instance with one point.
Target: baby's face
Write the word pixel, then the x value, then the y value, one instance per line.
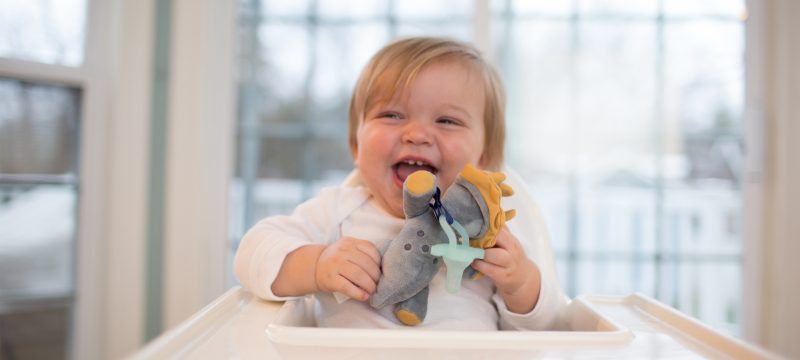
pixel 435 125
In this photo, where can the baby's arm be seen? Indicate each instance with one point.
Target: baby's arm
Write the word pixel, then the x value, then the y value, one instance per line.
pixel 349 266
pixel 516 277
pixel 287 249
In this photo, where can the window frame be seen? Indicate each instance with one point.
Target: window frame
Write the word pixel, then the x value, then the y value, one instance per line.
pixel 108 301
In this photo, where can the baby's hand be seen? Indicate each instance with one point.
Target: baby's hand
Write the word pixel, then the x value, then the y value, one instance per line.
pixel 514 274
pixel 349 266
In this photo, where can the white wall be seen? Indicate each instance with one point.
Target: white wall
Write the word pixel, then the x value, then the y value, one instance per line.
pixel 772 191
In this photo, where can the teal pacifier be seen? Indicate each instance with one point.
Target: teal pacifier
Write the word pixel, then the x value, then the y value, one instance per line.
pixel 457 256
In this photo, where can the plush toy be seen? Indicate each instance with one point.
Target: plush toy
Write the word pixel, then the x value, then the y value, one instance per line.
pixel 471 207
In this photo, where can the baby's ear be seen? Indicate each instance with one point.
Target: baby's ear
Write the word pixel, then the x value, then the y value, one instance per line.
pixel 483 161
pixel 354 154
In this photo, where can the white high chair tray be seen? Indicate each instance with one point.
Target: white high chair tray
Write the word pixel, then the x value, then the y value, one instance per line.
pixel 237 325
pixel 294 325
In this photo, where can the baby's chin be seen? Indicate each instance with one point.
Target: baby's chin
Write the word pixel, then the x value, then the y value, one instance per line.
pixel 392 205
pixel 395 209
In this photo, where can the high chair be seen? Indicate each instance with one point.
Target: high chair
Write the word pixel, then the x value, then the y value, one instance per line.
pixel 634 326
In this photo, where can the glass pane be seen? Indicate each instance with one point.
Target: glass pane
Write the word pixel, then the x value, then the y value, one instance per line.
pixel 352 9
pixel 271 8
pixel 50 32
pixel 36 331
pixel 289 158
pixel 332 155
pixel 343 50
pixel 456 30
pixel 616 88
pixel 537 82
pixel 38 227
pixel 618 274
pixel 710 291
pixel 705 79
pixel 617 219
pixel 618 7
pixel 38 128
pixel 39 142
pixel 284 62
pixel 439 9
pixel 729 8
pixel 703 204
pixel 631 142
pixel 538 7
pixel 537 117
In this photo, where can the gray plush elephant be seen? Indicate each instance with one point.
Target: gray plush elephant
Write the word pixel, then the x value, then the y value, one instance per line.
pixel 407 264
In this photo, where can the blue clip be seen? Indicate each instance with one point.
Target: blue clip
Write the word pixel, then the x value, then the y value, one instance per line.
pixel 438 207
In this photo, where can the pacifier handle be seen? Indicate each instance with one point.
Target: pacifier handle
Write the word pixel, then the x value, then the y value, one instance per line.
pixel 456 256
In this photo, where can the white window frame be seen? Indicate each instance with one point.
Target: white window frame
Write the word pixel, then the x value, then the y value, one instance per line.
pixel 200 156
pixel 109 309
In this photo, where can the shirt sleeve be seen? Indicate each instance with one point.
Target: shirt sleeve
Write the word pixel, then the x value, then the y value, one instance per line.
pixel 544 316
pixel 264 247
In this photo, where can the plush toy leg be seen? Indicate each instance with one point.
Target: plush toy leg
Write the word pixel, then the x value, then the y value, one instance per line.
pixel 413 310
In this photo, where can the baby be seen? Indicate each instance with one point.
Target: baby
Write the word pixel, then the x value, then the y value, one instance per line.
pixel 420 104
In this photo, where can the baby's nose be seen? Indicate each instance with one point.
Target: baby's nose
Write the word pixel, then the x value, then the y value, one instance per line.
pixel 416 133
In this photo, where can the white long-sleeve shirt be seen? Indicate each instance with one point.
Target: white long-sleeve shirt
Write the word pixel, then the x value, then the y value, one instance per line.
pixel 350 211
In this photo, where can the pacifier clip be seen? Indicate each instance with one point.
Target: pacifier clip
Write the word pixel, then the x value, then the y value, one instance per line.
pixel 457 256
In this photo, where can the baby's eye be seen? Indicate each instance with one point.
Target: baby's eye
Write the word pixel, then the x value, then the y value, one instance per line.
pixel 447 121
pixel 389 115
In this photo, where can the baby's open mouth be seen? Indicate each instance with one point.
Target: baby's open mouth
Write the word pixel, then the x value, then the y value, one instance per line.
pixel 404 168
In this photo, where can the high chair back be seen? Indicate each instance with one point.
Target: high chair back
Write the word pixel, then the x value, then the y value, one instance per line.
pixel 528 226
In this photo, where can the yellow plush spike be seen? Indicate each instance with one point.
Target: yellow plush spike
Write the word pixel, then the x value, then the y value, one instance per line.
pixel 492 190
pixel 507 190
pixel 498 177
pixel 510 214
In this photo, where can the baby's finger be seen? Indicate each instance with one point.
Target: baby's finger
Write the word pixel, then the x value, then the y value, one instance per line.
pixel 358 277
pixel 369 248
pixel 506 240
pixel 497 256
pixel 352 291
pixel 488 269
pixel 366 263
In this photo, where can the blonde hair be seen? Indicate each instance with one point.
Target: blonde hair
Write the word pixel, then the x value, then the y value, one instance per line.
pixel 395 66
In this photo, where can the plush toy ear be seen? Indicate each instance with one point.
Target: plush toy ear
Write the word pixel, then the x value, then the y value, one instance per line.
pixel 418 189
pixel 490 185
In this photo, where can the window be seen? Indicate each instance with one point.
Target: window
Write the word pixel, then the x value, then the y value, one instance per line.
pixel 631 111
pixel 299 62
pixel 39 142
pixel 624 115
